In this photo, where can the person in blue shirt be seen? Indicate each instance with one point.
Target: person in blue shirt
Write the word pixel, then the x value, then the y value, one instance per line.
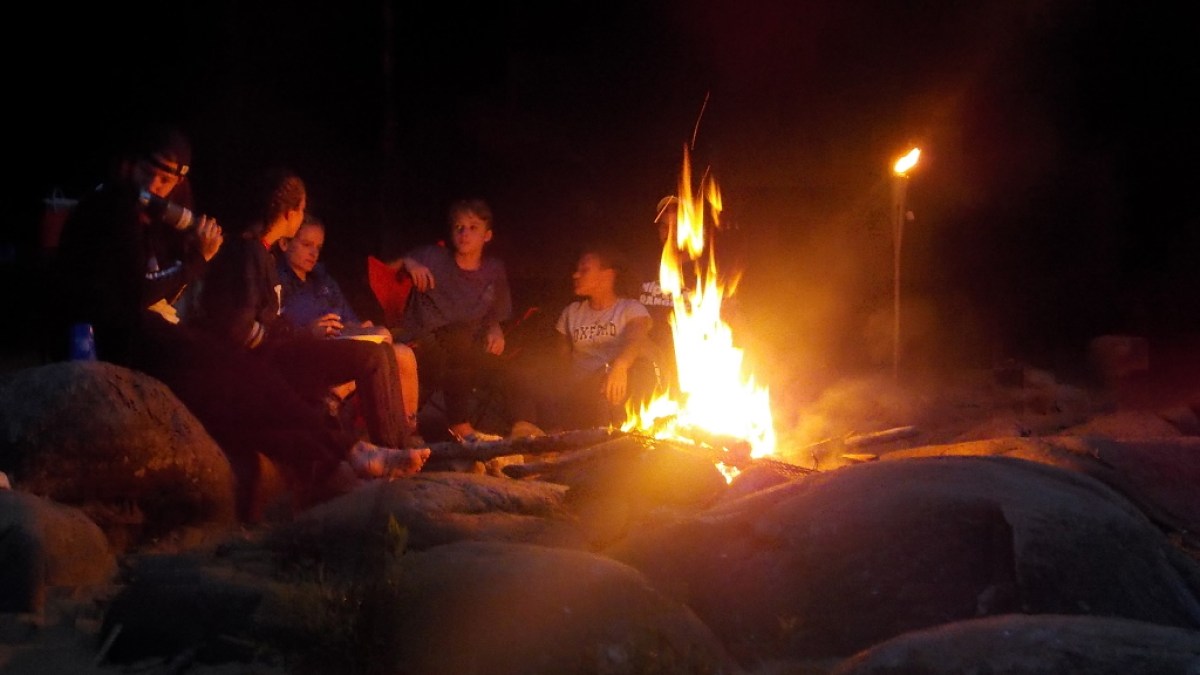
pixel 238 308
pixel 453 317
pixel 312 300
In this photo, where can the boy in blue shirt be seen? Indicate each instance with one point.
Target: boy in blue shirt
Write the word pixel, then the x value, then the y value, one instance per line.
pixel 452 319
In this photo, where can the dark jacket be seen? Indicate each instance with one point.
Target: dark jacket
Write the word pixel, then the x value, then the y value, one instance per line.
pixel 112 265
pixel 240 300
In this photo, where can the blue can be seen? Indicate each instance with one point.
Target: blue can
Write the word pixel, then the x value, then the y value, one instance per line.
pixel 83 342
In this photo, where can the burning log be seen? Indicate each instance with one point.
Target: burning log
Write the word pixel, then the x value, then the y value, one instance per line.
pixel 730 450
pixel 718 449
pixel 483 451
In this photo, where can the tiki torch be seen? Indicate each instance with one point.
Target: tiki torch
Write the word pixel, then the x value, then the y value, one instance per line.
pixel 899 213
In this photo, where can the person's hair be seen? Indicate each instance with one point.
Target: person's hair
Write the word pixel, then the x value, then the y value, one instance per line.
pixel 613 258
pixel 154 144
pixel 282 191
pixel 474 206
pixel 312 220
pixel 164 141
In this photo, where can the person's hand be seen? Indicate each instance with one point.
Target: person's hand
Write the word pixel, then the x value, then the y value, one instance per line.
pixel 494 340
pixel 329 325
pixel 209 234
pixel 616 383
pixel 421 275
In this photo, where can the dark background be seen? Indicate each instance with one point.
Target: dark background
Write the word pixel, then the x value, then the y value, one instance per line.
pixel 1055 198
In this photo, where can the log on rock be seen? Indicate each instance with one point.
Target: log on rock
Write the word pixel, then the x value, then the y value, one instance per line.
pixel 565 460
pixel 588 453
pixel 482 451
pixel 785 468
pixel 893 434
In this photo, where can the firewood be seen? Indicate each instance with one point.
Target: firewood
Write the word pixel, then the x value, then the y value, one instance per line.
pixel 740 459
pixel 893 434
pixel 482 451
pixel 566 459
pixel 732 452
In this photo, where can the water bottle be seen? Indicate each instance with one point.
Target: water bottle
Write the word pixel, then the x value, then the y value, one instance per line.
pixel 174 215
pixel 83 342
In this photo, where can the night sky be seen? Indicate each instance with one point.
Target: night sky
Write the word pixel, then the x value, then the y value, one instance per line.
pixel 1055 199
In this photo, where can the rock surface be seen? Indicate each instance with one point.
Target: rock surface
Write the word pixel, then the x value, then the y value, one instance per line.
pixel 1014 644
pixel 118 445
pixel 831 564
pixel 1017 528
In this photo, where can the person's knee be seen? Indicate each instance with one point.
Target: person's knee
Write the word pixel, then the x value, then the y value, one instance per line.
pixel 406 358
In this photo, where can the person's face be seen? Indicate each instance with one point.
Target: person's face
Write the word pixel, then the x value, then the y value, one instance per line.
pixel 304 250
pixel 470 233
pixel 592 277
pixel 156 180
pixel 665 221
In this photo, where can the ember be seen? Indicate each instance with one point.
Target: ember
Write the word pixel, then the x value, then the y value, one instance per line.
pixel 716 398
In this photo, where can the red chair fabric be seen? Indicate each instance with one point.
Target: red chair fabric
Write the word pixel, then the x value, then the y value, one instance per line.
pixel 391 289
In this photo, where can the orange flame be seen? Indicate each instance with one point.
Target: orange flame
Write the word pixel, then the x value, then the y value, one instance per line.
pixel 715 396
pixel 907 162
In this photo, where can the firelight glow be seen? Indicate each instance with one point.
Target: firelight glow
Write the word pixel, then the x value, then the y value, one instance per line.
pixel 715 395
pixel 907 162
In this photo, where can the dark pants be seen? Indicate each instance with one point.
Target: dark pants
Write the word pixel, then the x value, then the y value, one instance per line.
pixel 313 366
pixel 245 404
pixel 453 361
pixel 553 397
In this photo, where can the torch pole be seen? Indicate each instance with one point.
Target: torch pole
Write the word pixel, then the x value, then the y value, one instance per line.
pixel 899 190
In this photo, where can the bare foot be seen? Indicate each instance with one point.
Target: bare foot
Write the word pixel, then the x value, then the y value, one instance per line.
pixel 416 460
pixel 374 461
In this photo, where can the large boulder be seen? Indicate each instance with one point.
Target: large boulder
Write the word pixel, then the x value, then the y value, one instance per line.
pixel 832 563
pixel 1158 474
pixel 1016 644
pixel 43 545
pixel 489 607
pixel 117 444
pixel 468 607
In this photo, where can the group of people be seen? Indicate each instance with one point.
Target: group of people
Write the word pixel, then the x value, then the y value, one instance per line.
pixel 257 339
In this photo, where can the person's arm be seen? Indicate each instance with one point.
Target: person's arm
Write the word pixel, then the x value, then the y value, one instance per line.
pixel 231 295
pixel 421 275
pixel 181 259
pixel 208 238
pixel 344 316
pixel 500 310
pixel 166 283
pixel 633 340
pixel 341 306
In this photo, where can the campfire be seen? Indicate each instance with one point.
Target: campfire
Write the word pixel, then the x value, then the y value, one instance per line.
pixel 717 403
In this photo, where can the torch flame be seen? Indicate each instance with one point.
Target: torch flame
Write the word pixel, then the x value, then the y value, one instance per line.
pixel 716 399
pixel 907 162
